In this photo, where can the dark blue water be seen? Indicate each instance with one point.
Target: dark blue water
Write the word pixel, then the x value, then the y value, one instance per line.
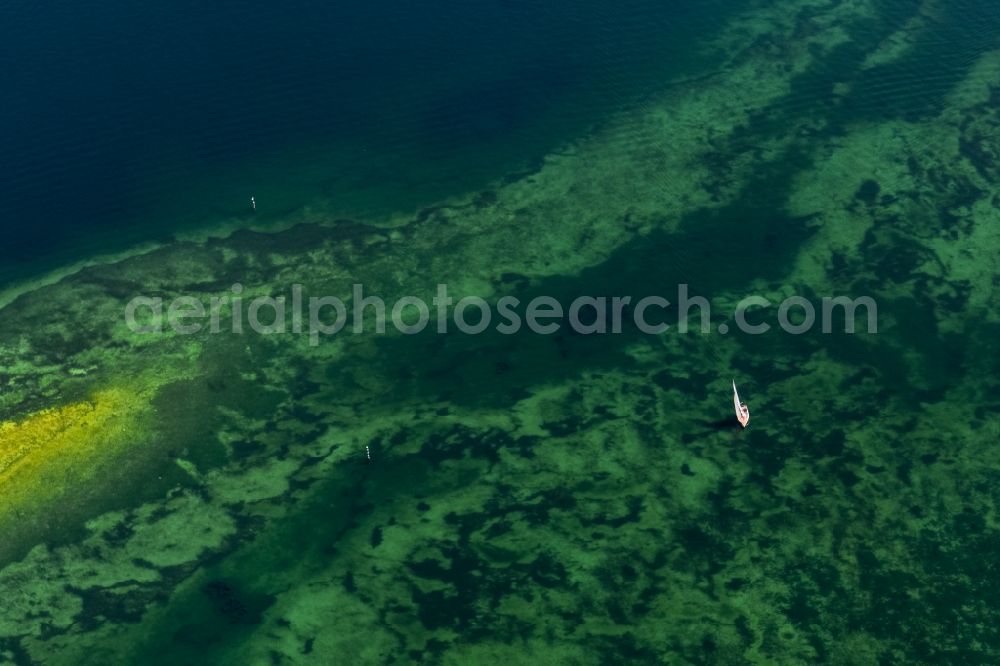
pixel 126 121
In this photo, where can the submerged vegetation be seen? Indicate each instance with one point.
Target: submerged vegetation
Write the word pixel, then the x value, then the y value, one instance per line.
pixel 556 499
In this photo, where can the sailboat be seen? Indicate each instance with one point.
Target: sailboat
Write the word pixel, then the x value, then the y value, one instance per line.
pixel 742 411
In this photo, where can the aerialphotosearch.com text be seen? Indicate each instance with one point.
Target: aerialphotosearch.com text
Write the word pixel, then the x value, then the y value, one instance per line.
pixel 323 316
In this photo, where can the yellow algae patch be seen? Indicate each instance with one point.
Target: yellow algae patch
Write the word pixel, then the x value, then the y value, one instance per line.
pixel 54 455
pixel 45 431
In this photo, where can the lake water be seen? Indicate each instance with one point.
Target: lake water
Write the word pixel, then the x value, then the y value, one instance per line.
pixel 568 497
pixel 127 123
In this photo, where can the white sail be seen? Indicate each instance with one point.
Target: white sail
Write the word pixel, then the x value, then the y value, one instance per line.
pixel 742 411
